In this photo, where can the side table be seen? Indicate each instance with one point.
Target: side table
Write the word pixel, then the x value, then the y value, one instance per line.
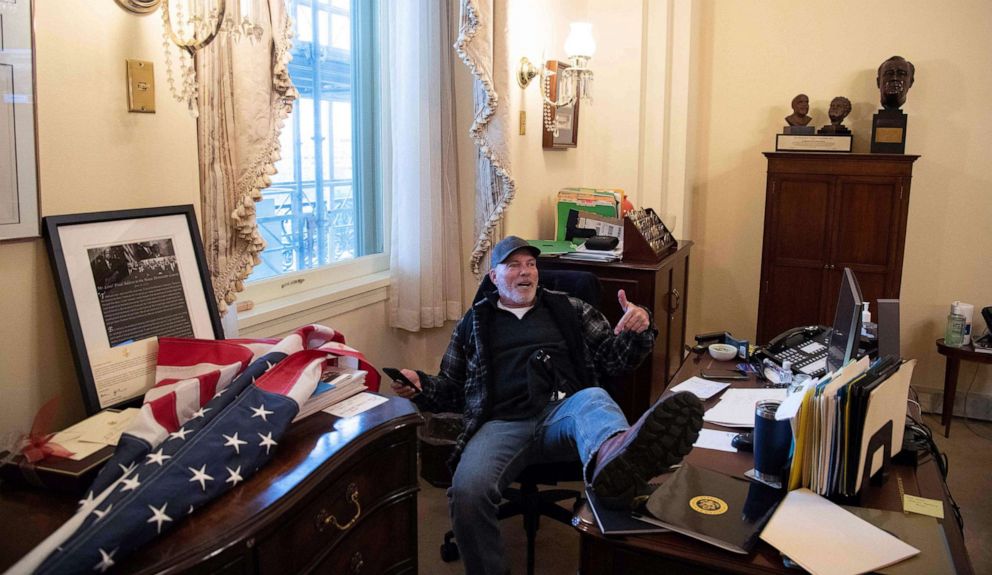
pixel 954 357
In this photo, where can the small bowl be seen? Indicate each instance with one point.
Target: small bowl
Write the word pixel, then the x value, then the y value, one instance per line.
pixel 723 352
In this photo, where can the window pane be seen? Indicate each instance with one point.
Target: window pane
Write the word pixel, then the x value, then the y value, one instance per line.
pixel 304 24
pixel 340 32
pixel 314 213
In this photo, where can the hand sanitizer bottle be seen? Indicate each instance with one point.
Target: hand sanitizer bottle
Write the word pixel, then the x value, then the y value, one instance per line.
pixel 868 328
pixel 954 334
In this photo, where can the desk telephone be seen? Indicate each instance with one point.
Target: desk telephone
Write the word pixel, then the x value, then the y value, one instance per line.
pixel 805 347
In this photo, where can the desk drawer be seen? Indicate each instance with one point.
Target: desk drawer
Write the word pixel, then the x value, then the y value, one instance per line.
pixel 386 545
pixel 353 501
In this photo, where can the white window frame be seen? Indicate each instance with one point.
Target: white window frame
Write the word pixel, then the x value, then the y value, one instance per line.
pixel 312 295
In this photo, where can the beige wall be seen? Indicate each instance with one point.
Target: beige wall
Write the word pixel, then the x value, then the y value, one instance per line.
pixel 756 56
pixel 92 155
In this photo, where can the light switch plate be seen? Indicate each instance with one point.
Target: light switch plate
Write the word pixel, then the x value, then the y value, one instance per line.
pixel 140 86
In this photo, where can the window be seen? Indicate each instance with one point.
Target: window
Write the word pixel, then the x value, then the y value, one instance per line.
pixel 324 205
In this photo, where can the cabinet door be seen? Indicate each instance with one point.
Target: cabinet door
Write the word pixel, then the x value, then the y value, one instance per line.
pixel 795 253
pixel 866 239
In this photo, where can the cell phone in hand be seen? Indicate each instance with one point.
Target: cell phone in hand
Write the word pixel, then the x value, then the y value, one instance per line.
pixel 722 374
pixel 397 376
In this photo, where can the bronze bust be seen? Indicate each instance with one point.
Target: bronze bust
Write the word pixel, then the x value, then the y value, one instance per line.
pixel 895 78
pixel 840 107
pixel 800 111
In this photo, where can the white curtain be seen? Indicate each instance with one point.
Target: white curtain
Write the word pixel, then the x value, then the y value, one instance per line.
pixel 481 45
pixel 420 165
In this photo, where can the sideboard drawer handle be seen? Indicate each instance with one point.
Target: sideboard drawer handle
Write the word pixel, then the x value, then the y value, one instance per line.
pixel 325 519
pixel 675 298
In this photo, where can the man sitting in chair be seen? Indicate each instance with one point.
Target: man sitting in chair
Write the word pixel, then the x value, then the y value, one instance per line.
pixel 525 366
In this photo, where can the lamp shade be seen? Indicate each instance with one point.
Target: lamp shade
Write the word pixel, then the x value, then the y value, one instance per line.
pixel 579 41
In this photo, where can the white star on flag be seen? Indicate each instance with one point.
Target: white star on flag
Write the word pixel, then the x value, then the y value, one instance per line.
pixel 157 457
pixel 201 476
pixel 130 484
pixel 200 412
pixel 267 441
pixel 179 434
pixel 260 411
pixel 100 513
pixel 158 516
pixel 234 442
pixel 106 561
pixel 235 476
pixel 90 498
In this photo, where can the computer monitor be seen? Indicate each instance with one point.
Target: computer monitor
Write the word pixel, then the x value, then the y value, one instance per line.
pixel 846 331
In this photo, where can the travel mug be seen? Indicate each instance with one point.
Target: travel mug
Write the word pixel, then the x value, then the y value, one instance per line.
pixel 772 441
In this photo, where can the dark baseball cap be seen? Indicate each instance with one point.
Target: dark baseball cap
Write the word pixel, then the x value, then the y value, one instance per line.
pixel 507 246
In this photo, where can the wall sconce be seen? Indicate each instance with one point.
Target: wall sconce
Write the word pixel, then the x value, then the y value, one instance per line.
pixel 575 81
pixel 192 25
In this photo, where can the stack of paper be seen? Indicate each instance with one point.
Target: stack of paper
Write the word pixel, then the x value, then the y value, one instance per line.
pixel 94 433
pixel 338 384
pixel 835 420
pixel 584 254
pixel 736 407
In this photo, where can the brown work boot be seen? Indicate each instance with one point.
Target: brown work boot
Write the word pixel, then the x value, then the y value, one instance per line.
pixel 659 439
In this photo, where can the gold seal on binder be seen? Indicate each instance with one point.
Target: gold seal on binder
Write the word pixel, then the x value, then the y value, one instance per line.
pixel 708 505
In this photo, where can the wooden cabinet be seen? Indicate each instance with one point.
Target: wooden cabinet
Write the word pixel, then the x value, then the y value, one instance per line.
pixel 825 212
pixel 661 287
pixel 338 497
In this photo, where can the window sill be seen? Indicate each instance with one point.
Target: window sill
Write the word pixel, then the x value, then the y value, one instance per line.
pixel 288 313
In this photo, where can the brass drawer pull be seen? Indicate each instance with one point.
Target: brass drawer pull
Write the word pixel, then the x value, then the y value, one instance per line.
pixel 674 304
pixel 324 519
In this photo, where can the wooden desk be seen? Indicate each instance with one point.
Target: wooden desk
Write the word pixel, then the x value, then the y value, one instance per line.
pixel 272 523
pixel 955 355
pixel 675 553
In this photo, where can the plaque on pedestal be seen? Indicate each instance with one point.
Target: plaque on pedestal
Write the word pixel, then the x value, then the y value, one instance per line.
pixel 888 132
pixel 799 130
pixel 813 143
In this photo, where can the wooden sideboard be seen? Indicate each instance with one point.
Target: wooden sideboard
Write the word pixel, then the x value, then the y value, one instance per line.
pixel 361 470
pixel 661 287
pixel 825 212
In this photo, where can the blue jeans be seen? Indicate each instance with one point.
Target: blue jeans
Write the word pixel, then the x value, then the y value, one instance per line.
pixel 501 449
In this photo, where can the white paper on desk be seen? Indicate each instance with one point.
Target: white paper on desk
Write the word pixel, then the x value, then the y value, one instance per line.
pixel 736 407
pixel 93 433
pixel 356 404
pixel 790 407
pixel 701 388
pixel 824 538
pixel 713 439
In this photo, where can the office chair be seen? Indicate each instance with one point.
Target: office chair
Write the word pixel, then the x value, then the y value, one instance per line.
pixel 528 500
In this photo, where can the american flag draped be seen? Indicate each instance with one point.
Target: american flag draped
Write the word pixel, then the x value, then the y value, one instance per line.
pixel 214 417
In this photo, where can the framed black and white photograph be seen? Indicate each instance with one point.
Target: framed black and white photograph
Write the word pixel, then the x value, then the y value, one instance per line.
pixel 18 174
pixel 126 278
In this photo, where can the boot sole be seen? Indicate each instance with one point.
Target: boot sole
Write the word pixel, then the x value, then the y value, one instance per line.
pixel 663 440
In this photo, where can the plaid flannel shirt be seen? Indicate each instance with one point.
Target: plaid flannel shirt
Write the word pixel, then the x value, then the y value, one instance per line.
pixel 462 386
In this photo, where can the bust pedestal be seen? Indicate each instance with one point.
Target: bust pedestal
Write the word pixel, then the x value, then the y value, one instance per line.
pixel 888 132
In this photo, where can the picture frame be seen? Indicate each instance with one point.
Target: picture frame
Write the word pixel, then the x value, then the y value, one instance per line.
pixel 18 151
pixel 125 278
pixel 566 117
